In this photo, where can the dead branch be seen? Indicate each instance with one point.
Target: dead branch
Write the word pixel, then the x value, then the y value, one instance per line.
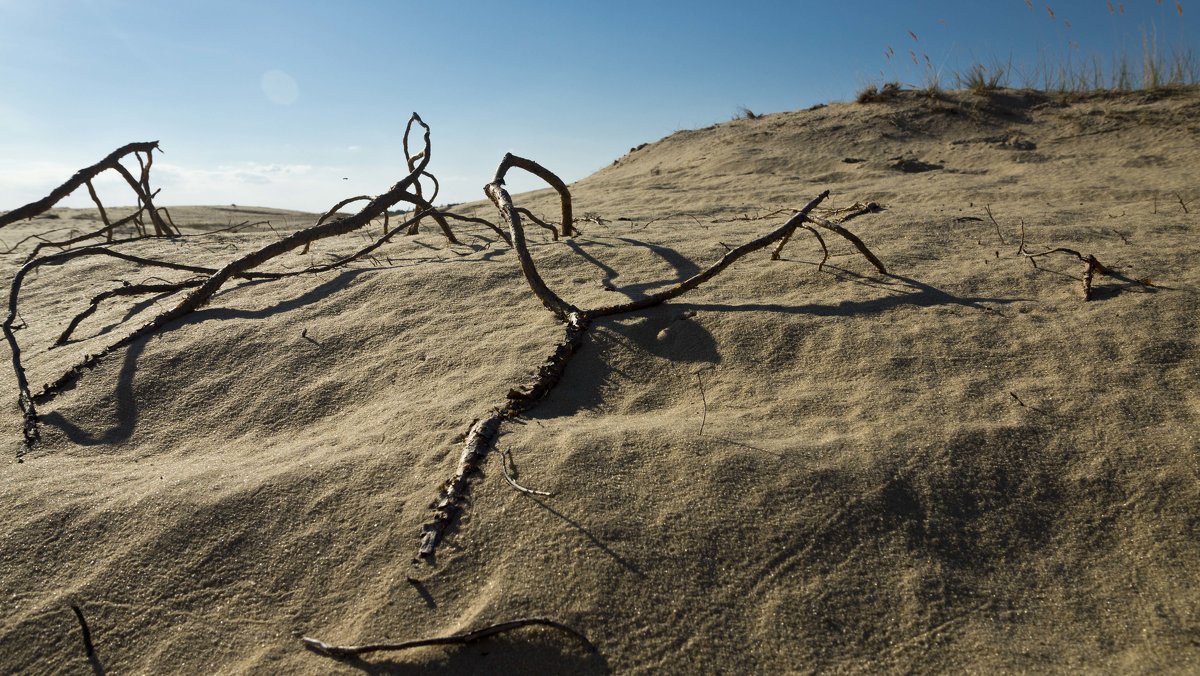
pixel 427 209
pixel 524 398
pixel 100 206
pixel 106 231
pixel 510 469
pixel 471 219
pixel 38 236
pixel 820 240
pixel 126 289
pixel 446 509
pixel 539 222
pixel 704 399
pixel 483 434
pixel 839 229
pixel 546 175
pixel 243 266
pixel 342 652
pixel 503 201
pixel 339 262
pixel 988 209
pixel 112 161
pixel 725 261
pixel 1091 264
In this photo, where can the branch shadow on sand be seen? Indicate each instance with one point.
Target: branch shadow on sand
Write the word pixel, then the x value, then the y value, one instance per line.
pixel 683 266
pixel 125 413
pixel 666 332
pixel 909 292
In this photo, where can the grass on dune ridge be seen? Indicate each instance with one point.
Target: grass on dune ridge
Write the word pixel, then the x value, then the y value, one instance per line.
pixel 1067 71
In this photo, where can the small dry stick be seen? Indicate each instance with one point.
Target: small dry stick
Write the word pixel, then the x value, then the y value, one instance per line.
pixel 988 209
pixel 87 634
pixel 1091 264
pixel 704 416
pixel 505 461
pixel 1182 203
pixel 342 652
pixel 1024 405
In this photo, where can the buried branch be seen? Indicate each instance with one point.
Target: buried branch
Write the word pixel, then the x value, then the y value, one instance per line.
pixel 343 652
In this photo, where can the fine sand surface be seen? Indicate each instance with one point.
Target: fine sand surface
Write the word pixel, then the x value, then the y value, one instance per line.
pixel 960 466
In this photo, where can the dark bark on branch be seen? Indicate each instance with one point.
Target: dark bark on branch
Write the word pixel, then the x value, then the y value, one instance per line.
pixel 503 201
pixel 852 238
pixel 537 221
pixel 383 239
pixel 80 178
pixel 820 240
pixel 480 221
pixel 725 261
pixel 546 175
pixel 522 399
pixel 849 236
pixel 427 209
pixel 342 652
pixel 108 227
pixel 483 435
pixel 241 267
pixel 126 290
pixel 107 231
pixel 1091 265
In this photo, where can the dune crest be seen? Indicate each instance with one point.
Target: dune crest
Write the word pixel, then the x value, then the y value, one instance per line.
pixel 802 464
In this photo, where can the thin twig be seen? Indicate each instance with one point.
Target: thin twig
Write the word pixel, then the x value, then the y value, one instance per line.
pixel 1024 405
pixel 87 633
pixel 342 652
pixel 703 398
pixel 505 461
pixel 988 209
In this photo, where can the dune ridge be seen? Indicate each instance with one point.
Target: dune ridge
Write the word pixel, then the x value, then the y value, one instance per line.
pixel 959 466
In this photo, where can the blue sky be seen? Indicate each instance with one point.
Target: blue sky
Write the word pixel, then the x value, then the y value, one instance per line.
pixel 298 104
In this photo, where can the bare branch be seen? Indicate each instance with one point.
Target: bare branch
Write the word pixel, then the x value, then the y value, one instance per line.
pixel 341 652
pixel 503 202
pixel 546 175
pixel 725 261
pixel 80 178
pixel 851 237
pixel 241 267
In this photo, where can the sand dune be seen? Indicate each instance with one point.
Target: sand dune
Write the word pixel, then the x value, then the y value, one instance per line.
pixel 959 466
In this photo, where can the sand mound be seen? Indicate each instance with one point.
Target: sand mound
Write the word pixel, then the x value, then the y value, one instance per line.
pixel 958 466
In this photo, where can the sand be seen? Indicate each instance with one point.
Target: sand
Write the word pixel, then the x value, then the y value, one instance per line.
pixel 958 467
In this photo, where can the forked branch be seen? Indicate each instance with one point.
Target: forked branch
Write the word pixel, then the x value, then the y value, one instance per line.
pixel 81 177
pixel 244 266
pixel 1091 265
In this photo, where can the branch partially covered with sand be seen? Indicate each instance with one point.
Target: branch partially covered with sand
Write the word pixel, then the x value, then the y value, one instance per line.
pixel 484 434
pixel 245 266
